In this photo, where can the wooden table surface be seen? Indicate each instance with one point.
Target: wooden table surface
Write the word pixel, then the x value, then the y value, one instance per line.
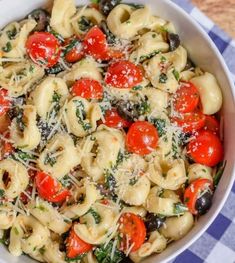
pixel 222 12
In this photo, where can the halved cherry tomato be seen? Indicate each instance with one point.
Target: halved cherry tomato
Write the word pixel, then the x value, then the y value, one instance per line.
pixel 186 98
pixel 113 120
pixel 4 102
pixel 74 49
pixel 95 44
pixel 133 231
pixel 43 48
pixel 191 121
pixel 142 138
pixel 50 189
pixel 123 74
pixel 193 191
pixel 88 89
pixel 75 246
pixel 212 124
pixel 206 148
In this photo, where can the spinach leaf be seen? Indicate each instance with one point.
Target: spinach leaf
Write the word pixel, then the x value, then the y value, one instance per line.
pixel 220 170
pixel 50 160
pixel 7 48
pixel 180 208
pixel 81 115
pixel 12 33
pixel 84 24
pixel 95 215
pixel 160 124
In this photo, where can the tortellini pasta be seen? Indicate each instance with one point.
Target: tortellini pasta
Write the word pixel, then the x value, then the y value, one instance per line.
pixel 61 16
pixel 53 254
pixel 18 78
pixel 196 171
pixel 162 69
pixel 107 143
pixel 7 215
pixel 59 156
pixel 13 178
pixel 13 38
pixel 26 235
pixel 210 93
pixel 81 116
pixel 50 93
pixel 24 131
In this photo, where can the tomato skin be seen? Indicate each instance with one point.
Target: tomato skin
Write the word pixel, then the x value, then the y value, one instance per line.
pixel 123 74
pixel 75 246
pixel 88 89
pixel 76 53
pixel 206 148
pixel 192 192
pixel 191 121
pixel 133 228
pixel 212 124
pixel 113 120
pixel 186 98
pixel 95 44
pixel 43 48
pixel 5 103
pixel 50 189
pixel 142 138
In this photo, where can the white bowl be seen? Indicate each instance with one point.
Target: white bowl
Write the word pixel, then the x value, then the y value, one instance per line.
pixel 204 53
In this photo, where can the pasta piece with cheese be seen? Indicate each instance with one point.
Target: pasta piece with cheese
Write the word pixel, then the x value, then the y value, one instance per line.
pixel 167 175
pixel 13 38
pixel 75 209
pixel 133 186
pixel 86 68
pixel 162 202
pixel 163 69
pixel 148 45
pixel 86 16
pixel 53 254
pixel 81 116
pixel 199 171
pixel 17 175
pixel 61 15
pixel 7 215
pixel 210 93
pixel 59 156
pixel 107 143
pixel 137 210
pixel 18 78
pixel 50 93
pixel 125 21
pixel 156 243
pixel 90 258
pixel 24 132
pixel 97 231
pixel 48 216
pixel 27 234
pixel 177 227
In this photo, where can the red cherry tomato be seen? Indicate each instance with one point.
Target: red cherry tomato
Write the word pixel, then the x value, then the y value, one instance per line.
pixel 115 54
pixel 206 148
pixel 193 191
pixel 142 138
pixel 88 89
pixel 123 74
pixel 5 103
pixel 74 50
pixel 43 48
pixel 95 44
pixel 191 121
pixel 113 120
pixel 50 189
pixel 186 98
pixel 25 196
pixel 133 231
pixel 75 246
pixel 212 124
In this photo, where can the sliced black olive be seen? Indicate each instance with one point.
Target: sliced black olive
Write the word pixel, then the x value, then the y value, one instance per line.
pixel 42 18
pixel 110 36
pixel 127 110
pixel 126 260
pixel 44 129
pixel 189 64
pixel 173 40
pixel 153 222
pixel 204 203
pixel 106 6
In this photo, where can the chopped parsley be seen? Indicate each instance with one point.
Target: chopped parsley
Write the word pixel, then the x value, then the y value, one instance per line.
pixel 160 124
pixel 50 160
pixel 220 170
pixel 84 24
pixel 176 74
pixel 139 87
pixel 81 115
pixel 2 192
pixel 142 58
pixel 76 259
pixel 180 208
pixel 24 156
pixel 7 48
pixel 56 97
pixel 163 78
pixel 95 215
pixel 144 107
pixel 42 250
pixel 12 33
pixel 74 43
pixel 163 59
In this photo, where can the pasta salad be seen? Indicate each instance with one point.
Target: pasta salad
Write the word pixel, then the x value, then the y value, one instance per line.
pixel 111 138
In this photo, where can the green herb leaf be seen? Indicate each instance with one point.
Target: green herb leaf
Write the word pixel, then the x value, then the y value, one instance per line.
pixel 176 74
pixel 42 250
pixel 7 48
pixel 180 208
pixel 50 160
pixel 16 231
pixel 12 33
pixel 84 24
pixel 81 115
pixel 2 192
pixel 160 124
pixel 139 87
pixel 76 259
pixel 163 78
pixel 95 215
pixel 220 170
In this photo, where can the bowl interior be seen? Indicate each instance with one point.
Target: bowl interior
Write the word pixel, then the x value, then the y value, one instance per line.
pixel 203 53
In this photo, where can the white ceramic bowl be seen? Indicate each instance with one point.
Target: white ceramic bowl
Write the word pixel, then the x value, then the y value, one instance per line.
pixel 204 53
